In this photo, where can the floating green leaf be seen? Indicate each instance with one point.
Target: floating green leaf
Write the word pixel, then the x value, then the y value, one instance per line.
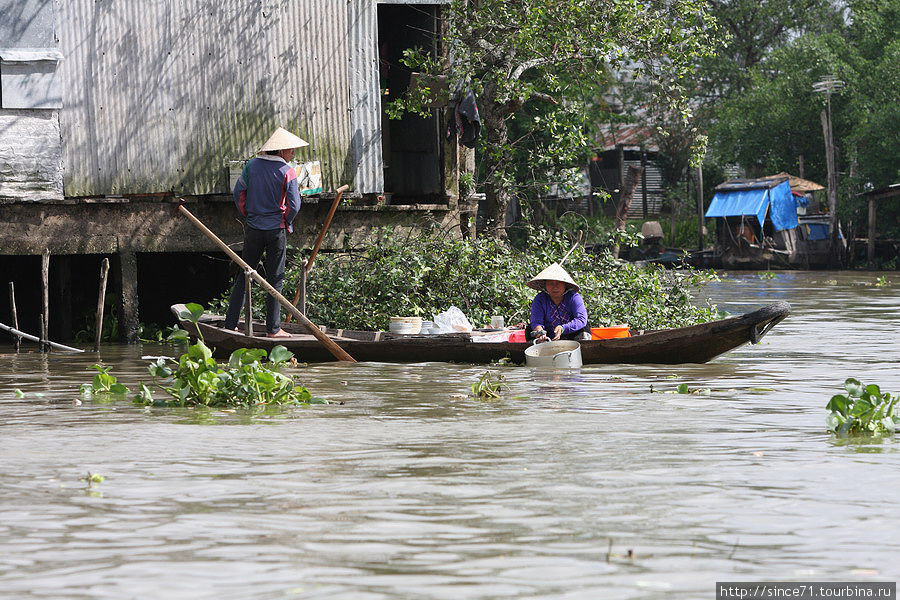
pixel 863 410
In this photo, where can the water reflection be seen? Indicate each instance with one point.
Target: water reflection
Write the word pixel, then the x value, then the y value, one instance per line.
pixel 413 489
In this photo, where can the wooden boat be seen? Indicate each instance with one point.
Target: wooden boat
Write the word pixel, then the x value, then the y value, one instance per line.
pixel 694 344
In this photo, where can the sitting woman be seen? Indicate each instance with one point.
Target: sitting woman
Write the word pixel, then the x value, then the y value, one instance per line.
pixel 558 311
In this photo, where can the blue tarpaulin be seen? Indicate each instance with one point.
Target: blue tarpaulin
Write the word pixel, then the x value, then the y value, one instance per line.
pixel 778 201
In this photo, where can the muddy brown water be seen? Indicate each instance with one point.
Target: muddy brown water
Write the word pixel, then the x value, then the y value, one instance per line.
pixel 407 490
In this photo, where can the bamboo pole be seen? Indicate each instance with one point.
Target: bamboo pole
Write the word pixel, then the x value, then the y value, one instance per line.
pixel 34 338
pixel 301 290
pixel 45 296
pixel 248 306
pixel 332 347
pixel 306 267
pixel 101 303
pixel 15 316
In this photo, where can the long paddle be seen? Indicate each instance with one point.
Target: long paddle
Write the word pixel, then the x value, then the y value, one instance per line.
pixel 308 263
pixel 338 352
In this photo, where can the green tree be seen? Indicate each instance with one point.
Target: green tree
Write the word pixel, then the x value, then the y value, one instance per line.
pixel 776 118
pixel 518 51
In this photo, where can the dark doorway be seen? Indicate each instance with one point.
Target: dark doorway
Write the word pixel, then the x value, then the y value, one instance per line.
pixel 411 146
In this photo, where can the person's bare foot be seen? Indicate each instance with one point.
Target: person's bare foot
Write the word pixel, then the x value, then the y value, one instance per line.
pixel 281 333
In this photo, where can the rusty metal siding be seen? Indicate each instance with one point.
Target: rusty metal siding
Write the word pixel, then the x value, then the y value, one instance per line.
pixel 365 97
pixel 159 96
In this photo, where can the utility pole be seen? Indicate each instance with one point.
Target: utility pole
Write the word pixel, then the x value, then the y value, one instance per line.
pixel 828 86
pixel 700 207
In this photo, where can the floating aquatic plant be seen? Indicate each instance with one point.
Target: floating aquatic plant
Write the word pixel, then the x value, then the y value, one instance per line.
pixel 251 377
pixel 488 386
pixel 864 409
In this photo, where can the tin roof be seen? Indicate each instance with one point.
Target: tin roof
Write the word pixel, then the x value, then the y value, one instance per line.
pixel 797 184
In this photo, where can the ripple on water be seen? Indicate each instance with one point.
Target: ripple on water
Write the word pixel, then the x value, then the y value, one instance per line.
pixel 411 490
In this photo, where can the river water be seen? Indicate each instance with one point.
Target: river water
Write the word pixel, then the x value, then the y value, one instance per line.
pixel 577 484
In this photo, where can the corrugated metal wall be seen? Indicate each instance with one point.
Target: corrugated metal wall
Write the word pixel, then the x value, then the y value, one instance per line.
pixel 159 95
pixel 365 96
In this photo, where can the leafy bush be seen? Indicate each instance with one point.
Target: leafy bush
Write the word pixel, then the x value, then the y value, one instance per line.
pixel 423 276
pixel 864 409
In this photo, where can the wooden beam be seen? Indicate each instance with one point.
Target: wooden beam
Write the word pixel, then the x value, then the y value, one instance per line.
pixel 870 244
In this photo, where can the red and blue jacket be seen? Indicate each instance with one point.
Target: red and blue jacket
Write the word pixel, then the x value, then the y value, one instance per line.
pixel 267 194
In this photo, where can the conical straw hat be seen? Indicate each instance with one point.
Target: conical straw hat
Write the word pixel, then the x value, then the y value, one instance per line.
pixel 554 272
pixel 282 140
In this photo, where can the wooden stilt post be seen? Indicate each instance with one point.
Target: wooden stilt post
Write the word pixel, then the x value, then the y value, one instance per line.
pixel 129 301
pixel 870 242
pixel 15 316
pixel 101 303
pixel 45 296
pixel 700 208
pixel 42 341
pixel 644 182
pixel 248 306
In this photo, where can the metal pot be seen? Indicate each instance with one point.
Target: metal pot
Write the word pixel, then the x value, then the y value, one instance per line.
pixel 563 354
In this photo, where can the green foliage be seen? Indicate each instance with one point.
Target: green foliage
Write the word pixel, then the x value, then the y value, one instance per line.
pixel 775 117
pixel 423 276
pixel 197 379
pixel 93 478
pixel 153 334
pixel 104 383
pixel 683 388
pixel 489 386
pixel 539 66
pixel 864 409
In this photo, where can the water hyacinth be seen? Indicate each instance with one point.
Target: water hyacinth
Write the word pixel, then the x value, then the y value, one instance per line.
pixel 864 409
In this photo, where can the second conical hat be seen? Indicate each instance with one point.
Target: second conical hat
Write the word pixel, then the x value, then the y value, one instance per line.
pixel 282 139
pixel 554 272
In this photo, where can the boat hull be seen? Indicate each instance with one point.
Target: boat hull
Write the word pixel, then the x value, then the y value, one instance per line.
pixel 694 344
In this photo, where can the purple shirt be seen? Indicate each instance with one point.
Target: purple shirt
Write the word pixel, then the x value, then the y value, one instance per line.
pixel 570 313
pixel 267 193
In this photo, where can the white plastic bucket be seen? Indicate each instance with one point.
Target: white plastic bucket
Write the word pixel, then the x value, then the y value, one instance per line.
pixel 564 354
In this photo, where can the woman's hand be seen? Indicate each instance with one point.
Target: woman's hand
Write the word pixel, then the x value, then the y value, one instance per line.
pixel 540 336
pixel 557 332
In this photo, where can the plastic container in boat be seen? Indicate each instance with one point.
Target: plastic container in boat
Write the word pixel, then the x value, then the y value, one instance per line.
pixel 517 336
pixel 563 354
pixel 406 325
pixel 605 333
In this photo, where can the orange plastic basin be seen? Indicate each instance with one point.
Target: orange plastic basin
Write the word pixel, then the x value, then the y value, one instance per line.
pixel 604 333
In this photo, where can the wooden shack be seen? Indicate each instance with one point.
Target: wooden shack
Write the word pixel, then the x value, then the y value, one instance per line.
pixel 109 112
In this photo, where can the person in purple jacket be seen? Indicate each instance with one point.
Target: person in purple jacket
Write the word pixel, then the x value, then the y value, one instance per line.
pixel 268 197
pixel 558 310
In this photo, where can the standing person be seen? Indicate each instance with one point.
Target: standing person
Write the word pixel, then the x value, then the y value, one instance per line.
pixel 268 196
pixel 558 310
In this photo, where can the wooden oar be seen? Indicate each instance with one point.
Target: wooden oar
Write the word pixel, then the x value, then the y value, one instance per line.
pixel 318 244
pixel 338 352
pixel 306 267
